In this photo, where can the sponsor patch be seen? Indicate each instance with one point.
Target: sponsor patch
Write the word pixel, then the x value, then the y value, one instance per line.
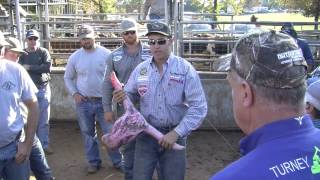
pixel 176 79
pixel 142 89
pixel 143 71
pixel 290 56
pixel 116 58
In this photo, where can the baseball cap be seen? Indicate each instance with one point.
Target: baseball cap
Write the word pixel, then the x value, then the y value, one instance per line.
pixel 128 25
pixel 313 94
pixel 85 31
pixel 3 42
pixel 32 33
pixel 287 25
pixel 158 28
pixel 269 59
pixel 15 45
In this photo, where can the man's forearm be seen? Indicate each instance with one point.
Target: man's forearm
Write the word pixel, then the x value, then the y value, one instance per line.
pixel 32 120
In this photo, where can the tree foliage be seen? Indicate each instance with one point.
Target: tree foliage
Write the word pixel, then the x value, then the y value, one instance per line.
pixel 235 5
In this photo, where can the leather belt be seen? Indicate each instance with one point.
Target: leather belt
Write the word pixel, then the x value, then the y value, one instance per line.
pixel 93 98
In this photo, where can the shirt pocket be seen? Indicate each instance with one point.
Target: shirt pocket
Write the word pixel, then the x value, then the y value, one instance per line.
pixel 175 90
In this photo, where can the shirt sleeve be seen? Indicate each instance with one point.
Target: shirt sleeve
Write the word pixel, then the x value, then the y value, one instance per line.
pixel 45 66
pixel 69 76
pixel 307 53
pixel 131 86
pixel 195 98
pixel 107 88
pixel 29 89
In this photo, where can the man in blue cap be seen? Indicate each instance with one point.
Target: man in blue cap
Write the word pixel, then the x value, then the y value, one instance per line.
pixel 288 28
pixel 37 62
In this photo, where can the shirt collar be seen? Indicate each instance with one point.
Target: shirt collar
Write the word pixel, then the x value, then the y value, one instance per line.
pixel 274 130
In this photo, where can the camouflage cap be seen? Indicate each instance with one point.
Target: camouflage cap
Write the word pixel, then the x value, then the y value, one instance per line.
pixel 158 27
pixel 3 42
pixel 128 25
pixel 313 94
pixel 269 59
pixel 85 31
pixel 15 45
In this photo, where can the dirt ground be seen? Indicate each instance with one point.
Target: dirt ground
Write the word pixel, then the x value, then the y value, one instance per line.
pixel 207 152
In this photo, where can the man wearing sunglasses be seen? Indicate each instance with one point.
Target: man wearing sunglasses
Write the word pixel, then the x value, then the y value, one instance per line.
pixel 37 62
pixel 83 78
pixel 171 99
pixel 122 61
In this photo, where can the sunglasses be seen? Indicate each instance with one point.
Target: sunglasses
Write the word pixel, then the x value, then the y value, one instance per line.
pixel 129 32
pixel 159 42
pixel 32 38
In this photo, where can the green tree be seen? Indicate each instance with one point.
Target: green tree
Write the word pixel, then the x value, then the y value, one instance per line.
pixel 236 5
pixel 311 8
pixel 101 6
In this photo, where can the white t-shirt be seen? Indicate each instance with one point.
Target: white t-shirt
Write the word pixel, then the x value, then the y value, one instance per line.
pixel 15 86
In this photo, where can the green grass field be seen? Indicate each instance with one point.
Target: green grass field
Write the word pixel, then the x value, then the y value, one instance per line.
pixel 277 17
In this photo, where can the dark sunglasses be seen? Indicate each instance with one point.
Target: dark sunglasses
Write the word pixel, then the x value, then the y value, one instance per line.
pixel 129 32
pixel 159 42
pixel 32 38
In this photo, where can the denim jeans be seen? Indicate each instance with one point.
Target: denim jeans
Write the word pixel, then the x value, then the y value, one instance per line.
pixel 128 159
pixel 38 162
pixel 9 169
pixel 155 17
pixel 148 153
pixel 44 95
pixel 90 111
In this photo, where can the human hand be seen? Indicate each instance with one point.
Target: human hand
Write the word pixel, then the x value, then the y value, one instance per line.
pixel 109 116
pixel 23 152
pixel 78 97
pixel 119 96
pixel 168 140
pixel 26 66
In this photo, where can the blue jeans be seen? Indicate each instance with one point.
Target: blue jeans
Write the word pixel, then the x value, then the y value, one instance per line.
pixel 149 153
pixel 89 112
pixel 9 169
pixel 128 159
pixel 38 162
pixel 155 17
pixel 44 95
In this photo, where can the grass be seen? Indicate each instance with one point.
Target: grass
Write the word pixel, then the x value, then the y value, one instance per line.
pixel 276 17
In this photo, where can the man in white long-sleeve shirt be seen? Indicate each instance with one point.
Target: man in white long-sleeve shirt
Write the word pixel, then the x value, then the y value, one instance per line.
pixel 83 78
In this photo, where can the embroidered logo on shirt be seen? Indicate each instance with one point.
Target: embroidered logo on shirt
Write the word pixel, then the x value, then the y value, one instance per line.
pixel 116 58
pixel 315 168
pixel 8 86
pixel 143 71
pixel 299 119
pixel 175 79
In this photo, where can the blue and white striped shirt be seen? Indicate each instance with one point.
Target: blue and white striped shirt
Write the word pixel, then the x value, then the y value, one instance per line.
pixel 174 99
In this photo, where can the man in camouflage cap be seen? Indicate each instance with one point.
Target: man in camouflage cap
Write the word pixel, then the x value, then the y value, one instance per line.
pixel 267 78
